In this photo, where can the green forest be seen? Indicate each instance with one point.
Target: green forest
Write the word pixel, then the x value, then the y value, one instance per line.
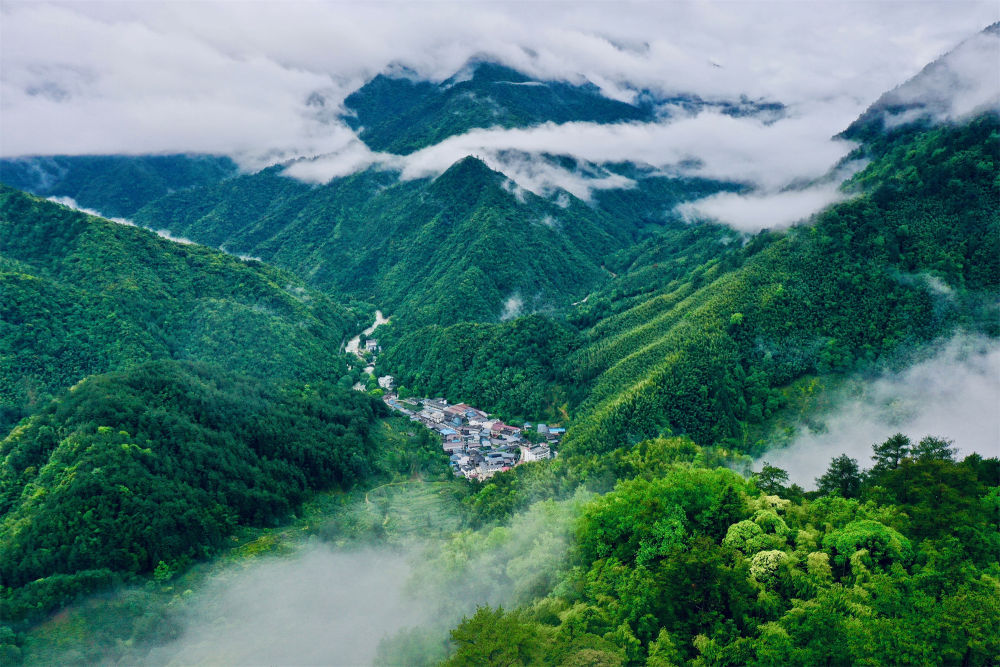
pixel 686 564
pixel 153 468
pixel 172 410
pixel 83 295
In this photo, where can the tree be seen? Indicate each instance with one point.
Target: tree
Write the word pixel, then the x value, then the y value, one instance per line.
pixel 934 449
pixel 842 477
pixel 771 479
pixel 891 452
pixel 491 637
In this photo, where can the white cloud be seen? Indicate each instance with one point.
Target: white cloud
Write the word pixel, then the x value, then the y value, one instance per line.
pixel 753 212
pixel 265 82
pixel 709 144
pixel 965 82
pixel 954 394
pixel 87 77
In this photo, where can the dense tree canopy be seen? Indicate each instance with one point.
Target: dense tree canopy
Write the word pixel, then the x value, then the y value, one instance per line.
pixel 162 463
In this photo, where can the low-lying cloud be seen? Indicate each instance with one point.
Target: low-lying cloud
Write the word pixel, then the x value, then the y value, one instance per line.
pixel 955 394
pixel 162 233
pixel 709 144
pixel 322 606
pixel 753 212
pixel 266 81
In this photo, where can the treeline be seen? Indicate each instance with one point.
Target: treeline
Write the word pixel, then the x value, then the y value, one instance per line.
pixel 682 564
pixel 158 465
pixel 83 295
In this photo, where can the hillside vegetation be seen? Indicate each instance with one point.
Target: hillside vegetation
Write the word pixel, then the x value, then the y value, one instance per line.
pixel 115 185
pixel 150 469
pixel 465 246
pixel 684 564
pixel 82 295
pixel 915 252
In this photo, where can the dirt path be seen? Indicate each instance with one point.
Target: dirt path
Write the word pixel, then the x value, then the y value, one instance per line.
pixel 354 344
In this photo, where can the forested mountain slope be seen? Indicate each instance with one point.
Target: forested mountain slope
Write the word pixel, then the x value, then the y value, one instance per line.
pixel 858 283
pixel 699 334
pixel 158 465
pixel 459 247
pixel 397 114
pixel 115 185
pixel 82 295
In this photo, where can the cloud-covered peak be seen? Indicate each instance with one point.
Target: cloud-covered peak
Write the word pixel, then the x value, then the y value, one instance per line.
pixel 961 83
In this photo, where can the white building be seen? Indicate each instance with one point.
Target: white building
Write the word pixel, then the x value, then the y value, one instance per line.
pixel 535 453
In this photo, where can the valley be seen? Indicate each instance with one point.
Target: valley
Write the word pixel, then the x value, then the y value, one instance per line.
pixel 505 356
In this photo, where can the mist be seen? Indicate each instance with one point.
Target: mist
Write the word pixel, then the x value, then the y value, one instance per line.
pixel 963 83
pixel 162 233
pixel 321 606
pixel 757 211
pixel 367 601
pixel 954 394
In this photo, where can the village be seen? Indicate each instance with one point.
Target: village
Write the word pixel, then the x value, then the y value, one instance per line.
pixel 480 445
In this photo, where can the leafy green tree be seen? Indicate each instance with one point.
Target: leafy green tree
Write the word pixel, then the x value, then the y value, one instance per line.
pixel 842 477
pixel 493 637
pixel 888 454
pixel 771 479
pixel 931 448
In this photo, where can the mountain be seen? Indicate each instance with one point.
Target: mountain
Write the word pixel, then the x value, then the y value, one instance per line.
pixel 84 295
pixel 399 114
pixel 468 245
pixel 697 337
pixel 115 185
pixel 960 84
pixel 159 398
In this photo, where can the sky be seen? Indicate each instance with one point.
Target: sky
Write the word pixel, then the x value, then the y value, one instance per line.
pixel 234 77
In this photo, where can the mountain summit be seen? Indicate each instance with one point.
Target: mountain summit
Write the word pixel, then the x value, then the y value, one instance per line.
pixel 399 114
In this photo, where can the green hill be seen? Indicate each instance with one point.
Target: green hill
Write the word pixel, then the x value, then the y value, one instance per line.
pixel 158 465
pixel 434 251
pixel 707 356
pixel 115 185
pixel 82 295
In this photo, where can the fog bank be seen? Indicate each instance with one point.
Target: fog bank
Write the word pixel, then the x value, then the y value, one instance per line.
pixel 955 394
pixel 321 606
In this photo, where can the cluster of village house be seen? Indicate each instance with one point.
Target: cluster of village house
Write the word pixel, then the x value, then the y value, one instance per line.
pixel 479 446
